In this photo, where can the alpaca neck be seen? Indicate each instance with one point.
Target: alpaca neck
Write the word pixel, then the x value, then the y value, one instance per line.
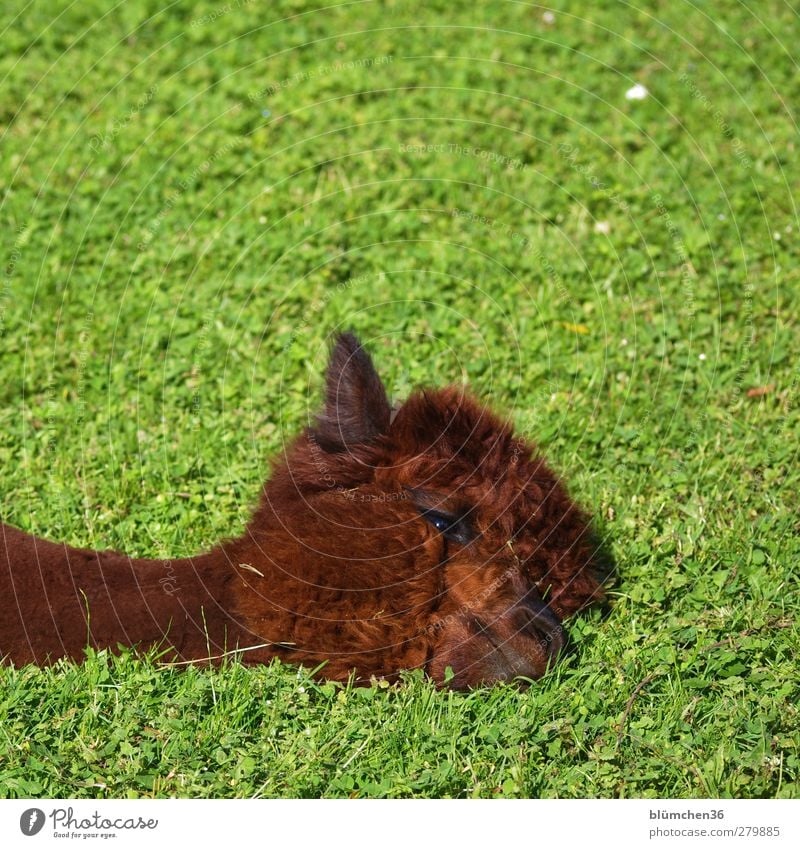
pixel 63 599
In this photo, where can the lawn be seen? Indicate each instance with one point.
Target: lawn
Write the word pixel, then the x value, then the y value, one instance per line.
pixel 194 197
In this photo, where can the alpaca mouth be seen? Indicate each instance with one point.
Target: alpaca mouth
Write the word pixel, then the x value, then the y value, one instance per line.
pixel 513 653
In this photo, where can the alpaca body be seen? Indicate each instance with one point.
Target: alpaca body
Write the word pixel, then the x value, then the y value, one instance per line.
pixel 253 597
pixel 430 538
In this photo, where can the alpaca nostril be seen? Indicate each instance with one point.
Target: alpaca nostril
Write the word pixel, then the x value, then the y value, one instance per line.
pixel 557 640
pixel 540 623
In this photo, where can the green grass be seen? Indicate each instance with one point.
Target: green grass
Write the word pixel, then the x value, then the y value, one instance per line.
pixel 194 199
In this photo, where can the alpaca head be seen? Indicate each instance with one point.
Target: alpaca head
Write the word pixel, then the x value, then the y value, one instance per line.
pixel 440 515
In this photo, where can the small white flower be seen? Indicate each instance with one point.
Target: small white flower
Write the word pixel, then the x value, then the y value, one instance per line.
pixel 549 18
pixel 301 689
pixel 637 92
pixel 624 342
pixel 702 357
pixel 602 227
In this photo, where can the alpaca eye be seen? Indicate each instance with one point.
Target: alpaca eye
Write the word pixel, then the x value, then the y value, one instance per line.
pixel 439 522
pixel 452 527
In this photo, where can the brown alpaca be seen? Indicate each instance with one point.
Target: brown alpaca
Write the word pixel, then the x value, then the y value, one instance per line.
pixel 429 538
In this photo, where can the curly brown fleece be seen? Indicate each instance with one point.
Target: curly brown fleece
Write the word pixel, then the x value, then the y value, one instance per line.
pixel 430 538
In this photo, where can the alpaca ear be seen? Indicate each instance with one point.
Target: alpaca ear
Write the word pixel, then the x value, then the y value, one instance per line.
pixel 356 408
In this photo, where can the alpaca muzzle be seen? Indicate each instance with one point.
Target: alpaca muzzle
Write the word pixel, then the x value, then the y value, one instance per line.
pixel 520 640
pixel 537 621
